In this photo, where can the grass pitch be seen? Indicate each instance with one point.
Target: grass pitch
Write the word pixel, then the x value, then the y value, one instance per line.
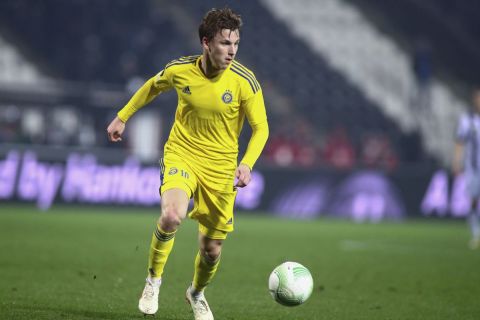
pixel 90 263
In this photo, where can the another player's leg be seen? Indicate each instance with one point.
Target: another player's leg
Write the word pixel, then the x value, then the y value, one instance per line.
pixel 473 222
pixel 174 209
pixel 206 264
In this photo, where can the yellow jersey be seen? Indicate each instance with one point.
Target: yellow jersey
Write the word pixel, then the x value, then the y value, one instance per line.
pixel 210 111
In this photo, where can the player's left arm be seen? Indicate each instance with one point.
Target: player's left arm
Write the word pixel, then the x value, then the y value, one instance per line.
pixel 255 112
pixel 457 167
pixel 461 137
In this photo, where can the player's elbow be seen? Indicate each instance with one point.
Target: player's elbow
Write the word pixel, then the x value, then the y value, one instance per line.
pixel 264 132
pixel 262 129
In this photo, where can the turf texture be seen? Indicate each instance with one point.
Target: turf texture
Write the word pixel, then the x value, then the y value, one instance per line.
pixel 90 263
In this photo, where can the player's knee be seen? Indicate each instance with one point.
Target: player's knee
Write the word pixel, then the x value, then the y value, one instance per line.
pixel 170 218
pixel 212 252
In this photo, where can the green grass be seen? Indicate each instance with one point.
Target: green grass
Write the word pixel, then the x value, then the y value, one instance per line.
pixel 90 263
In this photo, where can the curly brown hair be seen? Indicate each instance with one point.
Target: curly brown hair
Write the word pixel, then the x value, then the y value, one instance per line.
pixel 216 20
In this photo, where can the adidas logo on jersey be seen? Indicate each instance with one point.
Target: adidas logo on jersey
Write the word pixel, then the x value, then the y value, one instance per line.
pixel 186 90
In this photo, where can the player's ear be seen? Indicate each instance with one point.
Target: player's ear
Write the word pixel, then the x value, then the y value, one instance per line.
pixel 205 43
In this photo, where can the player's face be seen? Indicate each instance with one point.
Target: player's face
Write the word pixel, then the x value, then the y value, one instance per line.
pixel 223 48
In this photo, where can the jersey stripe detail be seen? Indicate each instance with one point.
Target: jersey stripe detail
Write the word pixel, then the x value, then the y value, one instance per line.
pixel 182 60
pixel 241 75
pixel 185 58
pixel 247 72
pixel 246 76
pixel 178 63
pixel 241 66
pixel 189 57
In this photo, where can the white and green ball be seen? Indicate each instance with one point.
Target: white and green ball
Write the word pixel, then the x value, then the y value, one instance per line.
pixel 290 284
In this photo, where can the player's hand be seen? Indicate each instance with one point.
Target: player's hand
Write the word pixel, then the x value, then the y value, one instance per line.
pixel 243 174
pixel 115 130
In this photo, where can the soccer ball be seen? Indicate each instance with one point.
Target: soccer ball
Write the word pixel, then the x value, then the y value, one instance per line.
pixel 290 284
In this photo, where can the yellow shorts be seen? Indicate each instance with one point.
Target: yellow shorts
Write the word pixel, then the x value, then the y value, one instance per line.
pixel 213 201
pixel 212 233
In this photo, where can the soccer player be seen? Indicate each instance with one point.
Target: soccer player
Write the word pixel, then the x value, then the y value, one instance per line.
pixel 215 94
pixel 467 151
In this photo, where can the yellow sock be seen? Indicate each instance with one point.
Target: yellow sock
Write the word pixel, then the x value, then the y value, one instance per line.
pixel 160 248
pixel 204 272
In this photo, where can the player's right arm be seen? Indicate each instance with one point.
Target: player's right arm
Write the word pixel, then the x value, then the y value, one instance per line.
pixel 115 130
pixel 150 89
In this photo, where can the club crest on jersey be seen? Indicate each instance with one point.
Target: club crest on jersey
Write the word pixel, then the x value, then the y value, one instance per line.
pixel 172 171
pixel 227 96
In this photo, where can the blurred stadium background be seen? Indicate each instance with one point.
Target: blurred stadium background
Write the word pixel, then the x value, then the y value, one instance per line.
pixel 362 97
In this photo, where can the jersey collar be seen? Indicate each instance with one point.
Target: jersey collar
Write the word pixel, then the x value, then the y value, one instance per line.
pixel 199 68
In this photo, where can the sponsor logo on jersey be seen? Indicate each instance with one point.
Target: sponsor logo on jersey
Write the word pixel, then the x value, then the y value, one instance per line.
pixel 172 171
pixel 230 221
pixel 227 96
pixel 186 90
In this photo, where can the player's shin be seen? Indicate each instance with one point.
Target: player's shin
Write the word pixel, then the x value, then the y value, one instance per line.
pixel 160 248
pixel 205 269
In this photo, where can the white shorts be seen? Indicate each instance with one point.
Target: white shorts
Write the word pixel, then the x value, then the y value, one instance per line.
pixel 472 180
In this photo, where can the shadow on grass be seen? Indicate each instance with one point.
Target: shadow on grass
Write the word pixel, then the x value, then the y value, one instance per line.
pixel 48 312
